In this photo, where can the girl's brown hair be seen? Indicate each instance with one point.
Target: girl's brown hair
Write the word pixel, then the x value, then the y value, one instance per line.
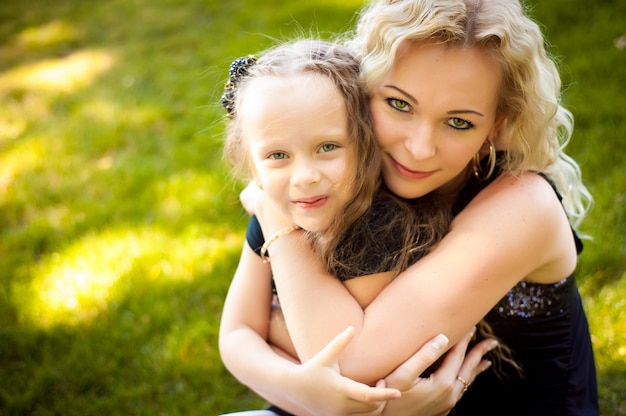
pixel 336 63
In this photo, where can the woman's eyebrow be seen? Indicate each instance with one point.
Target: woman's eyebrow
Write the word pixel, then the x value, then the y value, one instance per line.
pixel 400 90
pixel 455 112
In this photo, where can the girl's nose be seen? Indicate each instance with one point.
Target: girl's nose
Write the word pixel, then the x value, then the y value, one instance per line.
pixel 305 173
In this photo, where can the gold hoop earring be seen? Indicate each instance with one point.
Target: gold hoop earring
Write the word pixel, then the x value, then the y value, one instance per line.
pixel 491 163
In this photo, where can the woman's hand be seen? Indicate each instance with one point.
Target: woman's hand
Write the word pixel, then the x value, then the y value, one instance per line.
pixel 439 393
pixel 318 386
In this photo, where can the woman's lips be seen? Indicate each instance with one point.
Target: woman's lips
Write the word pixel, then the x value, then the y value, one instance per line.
pixel 312 202
pixel 408 173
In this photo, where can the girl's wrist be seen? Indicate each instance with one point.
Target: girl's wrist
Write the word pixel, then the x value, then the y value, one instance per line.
pixel 273 238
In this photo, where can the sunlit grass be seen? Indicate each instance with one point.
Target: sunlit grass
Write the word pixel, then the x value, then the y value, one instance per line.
pixel 66 74
pixel 77 284
pixel 607 313
pixel 54 32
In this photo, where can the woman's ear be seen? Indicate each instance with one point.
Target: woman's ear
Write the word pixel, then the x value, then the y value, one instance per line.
pixel 498 131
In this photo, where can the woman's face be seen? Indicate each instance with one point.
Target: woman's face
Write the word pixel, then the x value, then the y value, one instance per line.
pixel 297 132
pixel 432 112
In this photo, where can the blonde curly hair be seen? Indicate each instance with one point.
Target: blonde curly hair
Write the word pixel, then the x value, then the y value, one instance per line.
pixel 537 126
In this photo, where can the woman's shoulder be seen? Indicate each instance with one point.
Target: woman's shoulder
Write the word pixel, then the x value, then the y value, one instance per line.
pixel 524 213
pixel 521 205
pixel 527 199
pixel 526 190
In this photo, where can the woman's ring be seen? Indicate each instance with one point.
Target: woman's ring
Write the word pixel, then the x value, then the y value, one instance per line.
pixel 466 385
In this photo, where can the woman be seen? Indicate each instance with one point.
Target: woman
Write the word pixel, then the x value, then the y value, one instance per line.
pixel 451 80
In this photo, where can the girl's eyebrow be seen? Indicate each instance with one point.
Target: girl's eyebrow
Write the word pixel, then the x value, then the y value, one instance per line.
pixel 414 100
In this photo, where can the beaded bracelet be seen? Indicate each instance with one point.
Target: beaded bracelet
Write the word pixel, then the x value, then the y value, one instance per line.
pixel 275 237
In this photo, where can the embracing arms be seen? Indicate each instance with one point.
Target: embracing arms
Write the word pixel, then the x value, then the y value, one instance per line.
pixel 297 388
pixel 514 229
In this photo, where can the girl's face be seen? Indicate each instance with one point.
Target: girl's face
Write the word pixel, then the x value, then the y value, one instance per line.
pixel 297 135
pixel 432 112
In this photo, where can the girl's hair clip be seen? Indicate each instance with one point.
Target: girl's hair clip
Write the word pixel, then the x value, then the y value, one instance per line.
pixel 238 69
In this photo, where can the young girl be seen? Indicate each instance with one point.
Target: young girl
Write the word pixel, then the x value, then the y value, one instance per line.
pixel 299 125
pixel 454 82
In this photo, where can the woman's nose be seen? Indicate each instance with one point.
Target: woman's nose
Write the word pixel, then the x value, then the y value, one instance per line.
pixel 420 141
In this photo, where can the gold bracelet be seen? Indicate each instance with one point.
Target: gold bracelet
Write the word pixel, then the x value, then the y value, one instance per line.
pixel 275 237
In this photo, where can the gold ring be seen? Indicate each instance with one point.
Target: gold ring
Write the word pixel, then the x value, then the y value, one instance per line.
pixel 466 385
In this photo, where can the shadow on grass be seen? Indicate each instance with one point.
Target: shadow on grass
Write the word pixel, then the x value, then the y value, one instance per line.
pixel 612 386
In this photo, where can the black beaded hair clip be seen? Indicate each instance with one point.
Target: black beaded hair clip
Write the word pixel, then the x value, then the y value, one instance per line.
pixel 238 69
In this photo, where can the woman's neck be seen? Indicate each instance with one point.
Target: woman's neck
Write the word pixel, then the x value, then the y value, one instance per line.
pixel 454 186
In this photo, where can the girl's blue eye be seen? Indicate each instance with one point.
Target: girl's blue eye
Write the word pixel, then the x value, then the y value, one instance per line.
pixel 278 156
pixel 460 124
pixel 398 104
pixel 328 147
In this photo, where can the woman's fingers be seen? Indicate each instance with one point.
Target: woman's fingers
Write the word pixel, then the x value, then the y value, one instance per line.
pixel 408 373
pixel 454 359
pixel 474 364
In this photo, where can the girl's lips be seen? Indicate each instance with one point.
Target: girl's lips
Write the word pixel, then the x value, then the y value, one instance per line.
pixel 312 202
pixel 408 173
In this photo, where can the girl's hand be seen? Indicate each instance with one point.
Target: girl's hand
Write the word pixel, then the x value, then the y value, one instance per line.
pixel 318 386
pixel 249 197
pixel 256 202
pixel 439 393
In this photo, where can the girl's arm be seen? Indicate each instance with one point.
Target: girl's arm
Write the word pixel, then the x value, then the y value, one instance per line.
pixel 514 229
pixel 273 375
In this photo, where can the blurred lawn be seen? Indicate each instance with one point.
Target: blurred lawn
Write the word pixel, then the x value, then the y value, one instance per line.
pixel 120 228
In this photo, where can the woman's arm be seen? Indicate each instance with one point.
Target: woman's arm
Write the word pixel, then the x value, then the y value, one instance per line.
pixel 273 375
pixel 514 229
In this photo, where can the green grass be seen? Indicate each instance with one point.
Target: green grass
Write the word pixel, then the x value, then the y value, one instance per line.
pixel 120 227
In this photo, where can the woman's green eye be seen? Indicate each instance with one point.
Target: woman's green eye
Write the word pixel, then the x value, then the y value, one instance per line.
pixel 460 124
pixel 399 105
